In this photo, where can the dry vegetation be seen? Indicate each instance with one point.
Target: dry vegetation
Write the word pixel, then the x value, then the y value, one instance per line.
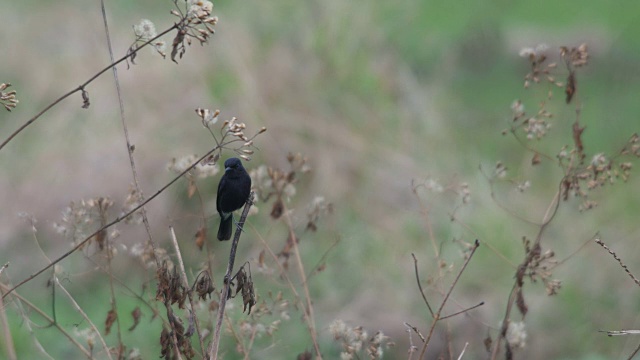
pixel 348 252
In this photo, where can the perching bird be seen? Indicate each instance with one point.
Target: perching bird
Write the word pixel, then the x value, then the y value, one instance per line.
pixel 233 191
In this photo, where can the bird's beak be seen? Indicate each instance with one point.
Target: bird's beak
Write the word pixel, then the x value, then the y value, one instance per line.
pixel 227 169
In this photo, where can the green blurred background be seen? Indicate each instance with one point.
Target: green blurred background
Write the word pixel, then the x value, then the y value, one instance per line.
pixel 375 94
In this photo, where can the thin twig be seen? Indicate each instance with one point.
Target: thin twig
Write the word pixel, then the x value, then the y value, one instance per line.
pixel 424 297
pixel 309 307
pixel 462 311
pixel 81 87
pixel 10 350
pixel 620 332
pixel 463 350
pixel 49 319
pixel 415 329
pixel 84 315
pixel 3 267
pixel 224 294
pixel 114 306
pixel 133 293
pixel 437 317
pixel 634 353
pixel 615 256
pixel 548 216
pixel 117 220
pixel 185 281
pixel 27 324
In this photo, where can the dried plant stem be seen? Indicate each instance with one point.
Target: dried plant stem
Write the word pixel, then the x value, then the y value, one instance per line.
pixel 463 350
pixel 10 350
pixel 86 352
pixel 117 220
pixel 224 294
pixel 114 307
pixel 308 309
pixel 548 216
pixel 462 311
pixel 84 315
pixel 3 267
pixel 185 282
pixel 634 353
pixel 132 293
pixel 81 87
pixel 438 314
pixel 424 297
pixel 615 256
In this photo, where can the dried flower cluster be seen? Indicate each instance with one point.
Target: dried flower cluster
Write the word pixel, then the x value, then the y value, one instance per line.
pixel 355 339
pixel 196 22
pixel 539 266
pixel 270 182
pixel 202 170
pixel 601 170
pixel 266 317
pixel 575 56
pixel 539 67
pixel 144 252
pixel 535 127
pixel 232 134
pixel 80 219
pixel 145 31
pixel 132 201
pixel 319 207
pixel 8 99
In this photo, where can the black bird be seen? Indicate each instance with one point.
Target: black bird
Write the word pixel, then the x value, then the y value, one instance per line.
pixel 233 191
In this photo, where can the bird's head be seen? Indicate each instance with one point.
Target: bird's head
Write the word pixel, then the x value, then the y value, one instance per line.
pixel 232 164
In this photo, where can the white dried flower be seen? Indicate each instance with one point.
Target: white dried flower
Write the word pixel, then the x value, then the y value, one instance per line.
pixel 598 159
pixel 337 328
pixel 523 186
pixel 516 334
pixel 145 30
pixel 526 52
pixel 517 106
pixel 200 9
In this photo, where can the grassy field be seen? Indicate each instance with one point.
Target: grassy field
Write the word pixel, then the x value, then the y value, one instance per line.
pixel 382 99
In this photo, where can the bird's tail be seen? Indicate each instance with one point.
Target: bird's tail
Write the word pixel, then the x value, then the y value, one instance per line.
pixel 226 227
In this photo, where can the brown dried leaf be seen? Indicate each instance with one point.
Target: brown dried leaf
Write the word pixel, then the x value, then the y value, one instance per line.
pixel 165 343
pixel 570 89
pixel 85 99
pixel 278 209
pixel 577 136
pixel 178 45
pixel 536 159
pixel 522 305
pixel 136 314
pixel 201 236
pixel 111 318
pixel 204 286
pixel 487 343
pixel 101 236
pixel 213 306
